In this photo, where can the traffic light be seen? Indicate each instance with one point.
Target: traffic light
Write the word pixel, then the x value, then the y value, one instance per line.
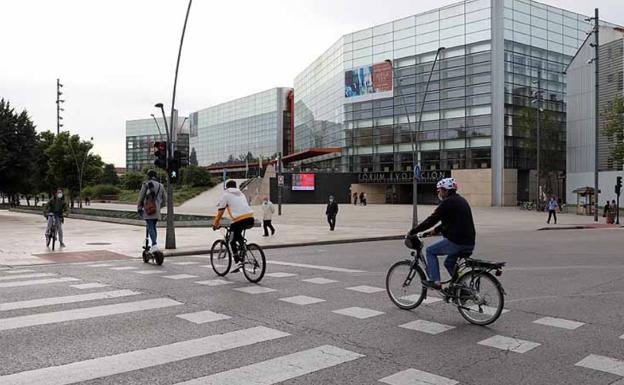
pixel 618 185
pixel 174 166
pixel 160 152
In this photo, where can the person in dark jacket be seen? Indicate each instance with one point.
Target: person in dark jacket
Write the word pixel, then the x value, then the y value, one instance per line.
pixel 331 212
pixel 457 229
pixel 55 209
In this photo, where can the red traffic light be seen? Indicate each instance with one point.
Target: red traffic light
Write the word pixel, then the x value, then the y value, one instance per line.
pixel 160 146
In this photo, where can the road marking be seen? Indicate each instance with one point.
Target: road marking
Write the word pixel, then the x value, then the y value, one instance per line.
pixel 414 297
pixel 317 267
pixel 141 359
pixel 302 300
pixel 37 282
pixel 84 313
pixel 20 271
pixel 89 286
pixel 358 312
pixel 148 272
pixel 67 299
pixel 427 327
pixel 101 265
pixel 366 289
pixel 510 344
pixel 559 323
pixel 179 276
pixel 23 276
pixel 203 317
pixel 186 263
pixel 124 268
pixel 214 282
pixel 255 289
pixel 319 281
pixel 280 275
pixel 417 377
pixel 4 268
pixel 603 364
pixel 282 368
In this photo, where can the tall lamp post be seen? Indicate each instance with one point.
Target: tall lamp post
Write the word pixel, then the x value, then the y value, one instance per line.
pixel 80 169
pixel 415 163
pixel 537 99
pixel 596 61
pixel 157 126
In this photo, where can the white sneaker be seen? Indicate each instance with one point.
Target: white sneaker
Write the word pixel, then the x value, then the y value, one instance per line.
pixel 154 248
pixel 236 267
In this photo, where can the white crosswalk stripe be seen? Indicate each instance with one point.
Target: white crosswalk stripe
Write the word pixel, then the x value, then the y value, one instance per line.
pixel 24 276
pixel 37 282
pixel 141 359
pixel 417 377
pixel 559 323
pixel 280 369
pixel 603 364
pixel 19 271
pixel 63 300
pixel 358 312
pixel 510 344
pixel 203 317
pixel 317 267
pixel 427 327
pixel 84 313
pixel 85 286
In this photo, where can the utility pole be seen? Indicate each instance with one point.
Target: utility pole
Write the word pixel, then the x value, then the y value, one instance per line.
pixel 596 107
pixel 538 104
pixel 280 183
pixel 58 106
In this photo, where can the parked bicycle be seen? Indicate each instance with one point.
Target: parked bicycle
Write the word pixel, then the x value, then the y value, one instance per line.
pixel 477 293
pixel 251 256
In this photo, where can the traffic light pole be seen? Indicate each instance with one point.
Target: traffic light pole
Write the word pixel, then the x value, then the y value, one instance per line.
pixel 279 185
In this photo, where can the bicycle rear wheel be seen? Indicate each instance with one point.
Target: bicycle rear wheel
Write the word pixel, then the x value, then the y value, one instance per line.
pixel 53 237
pixel 220 258
pixel 254 263
pixel 480 297
pixel 404 285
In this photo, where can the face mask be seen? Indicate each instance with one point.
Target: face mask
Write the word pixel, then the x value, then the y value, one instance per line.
pixel 59 195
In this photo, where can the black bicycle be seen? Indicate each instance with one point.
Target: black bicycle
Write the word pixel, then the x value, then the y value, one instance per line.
pixel 52 234
pixel 475 291
pixel 251 255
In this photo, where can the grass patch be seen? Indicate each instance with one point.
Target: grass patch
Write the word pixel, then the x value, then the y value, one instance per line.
pixel 181 194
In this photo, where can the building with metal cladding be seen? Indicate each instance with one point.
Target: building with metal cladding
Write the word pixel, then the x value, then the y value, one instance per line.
pixel 478 120
pixel 581 130
pixel 141 135
pixel 253 127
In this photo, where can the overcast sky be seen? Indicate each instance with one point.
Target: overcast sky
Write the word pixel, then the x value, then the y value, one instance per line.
pixel 116 58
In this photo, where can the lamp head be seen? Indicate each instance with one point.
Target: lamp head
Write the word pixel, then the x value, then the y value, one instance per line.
pixel 158 105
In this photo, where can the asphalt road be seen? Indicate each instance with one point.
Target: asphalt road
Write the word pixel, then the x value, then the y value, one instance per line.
pixel 152 328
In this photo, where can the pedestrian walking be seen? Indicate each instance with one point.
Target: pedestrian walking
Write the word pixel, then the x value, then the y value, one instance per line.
pixel 605 213
pixel 365 199
pixel 552 209
pixel 267 216
pixel 612 212
pixel 362 199
pixel 355 198
pixel 331 212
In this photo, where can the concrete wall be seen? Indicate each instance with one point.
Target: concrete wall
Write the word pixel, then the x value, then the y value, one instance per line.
pixel 475 186
pixel 606 184
pixel 510 187
pixel 375 194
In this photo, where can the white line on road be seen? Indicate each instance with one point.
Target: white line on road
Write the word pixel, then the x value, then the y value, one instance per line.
pixel 203 317
pixel 101 265
pixel 417 377
pixel 148 272
pixel 124 268
pixel 280 369
pixel 358 312
pixel 255 289
pixel 317 267
pixel 63 300
pixel 141 359
pixel 38 282
pixel 85 313
pixel 603 364
pixel 427 327
pixel 23 276
pixel 179 276
pixel 319 281
pixel 85 286
pixel 559 323
pixel 280 275
pixel 186 263
pixel 510 344
pixel 214 282
pixel 20 271
pixel 366 289
pixel 302 300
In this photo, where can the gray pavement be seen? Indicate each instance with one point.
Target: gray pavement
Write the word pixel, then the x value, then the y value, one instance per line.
pixel 167 325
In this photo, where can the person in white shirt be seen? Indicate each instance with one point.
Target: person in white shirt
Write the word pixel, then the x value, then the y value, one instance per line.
pixel 235 202
pixel 267 216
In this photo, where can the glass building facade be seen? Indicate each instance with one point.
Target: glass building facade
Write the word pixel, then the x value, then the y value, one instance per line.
pixel 245 128
pixel 477 111
pixel 141 135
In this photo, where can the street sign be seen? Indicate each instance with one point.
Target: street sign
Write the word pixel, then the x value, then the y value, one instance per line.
pixel 280 180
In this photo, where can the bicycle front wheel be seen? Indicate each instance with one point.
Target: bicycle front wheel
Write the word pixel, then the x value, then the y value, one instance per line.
pixel 480 298
pixel 220 258
pixel 254 263
pixel 404 285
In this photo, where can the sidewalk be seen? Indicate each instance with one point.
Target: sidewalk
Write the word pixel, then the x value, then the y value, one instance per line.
pixel 300 224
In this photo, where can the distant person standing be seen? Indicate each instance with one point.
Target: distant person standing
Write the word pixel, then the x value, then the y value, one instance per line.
pixel 605 213
pixel 332 212
pixel 364 199
pixel 613 209
pixel 267 216
pixel 355 198
pixel 552 209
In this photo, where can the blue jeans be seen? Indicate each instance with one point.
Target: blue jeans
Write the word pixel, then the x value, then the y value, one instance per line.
pixel 151 229
pixel 443 247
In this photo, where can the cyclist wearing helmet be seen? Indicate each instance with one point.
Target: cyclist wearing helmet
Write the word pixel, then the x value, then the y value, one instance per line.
pixel 457 229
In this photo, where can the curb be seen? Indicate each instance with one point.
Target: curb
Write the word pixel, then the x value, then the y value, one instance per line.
pixel 579 227
pixel 183 253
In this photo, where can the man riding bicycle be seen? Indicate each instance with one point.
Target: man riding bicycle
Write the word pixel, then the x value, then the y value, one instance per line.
pixel 55 210
pixel 457 229
pixel 235 202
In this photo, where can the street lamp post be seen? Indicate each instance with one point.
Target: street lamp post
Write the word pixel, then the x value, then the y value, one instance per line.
pixel 596 108
pixel 80 169
pixel 157 126
pixel 538 100
pixel 280 184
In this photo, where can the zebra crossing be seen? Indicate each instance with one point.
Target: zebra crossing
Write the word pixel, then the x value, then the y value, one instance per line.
pixel 287 365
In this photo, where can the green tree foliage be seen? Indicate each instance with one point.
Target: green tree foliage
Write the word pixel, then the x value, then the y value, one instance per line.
pixel 133 180
pixel 614 129
pixel 109 176
pixel 196 176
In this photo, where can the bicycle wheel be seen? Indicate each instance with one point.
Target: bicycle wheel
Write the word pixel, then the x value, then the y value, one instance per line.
pixel 254 263
pixel 404 285
pixel 480 297
pixel 53 237
pixel 220 258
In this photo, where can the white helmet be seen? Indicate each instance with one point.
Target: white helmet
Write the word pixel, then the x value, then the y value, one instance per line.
pixel 447 184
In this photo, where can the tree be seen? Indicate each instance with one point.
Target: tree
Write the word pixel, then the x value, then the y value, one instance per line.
pixel 196 176
pixel 109 176
pixel 614 129
pixel 193 158
pixel 133 180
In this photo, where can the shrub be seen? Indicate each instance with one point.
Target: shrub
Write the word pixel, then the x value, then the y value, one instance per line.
pixel 196 176
pixel 133 180
pixel 102 190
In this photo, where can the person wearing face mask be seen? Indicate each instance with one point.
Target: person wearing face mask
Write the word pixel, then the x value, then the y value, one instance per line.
pixel 457 229
pixel 56 208
pixel 331 211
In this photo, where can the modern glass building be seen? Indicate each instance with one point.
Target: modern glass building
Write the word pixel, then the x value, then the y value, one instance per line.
pixel 141 135
pixel 248 128
pixel 370 95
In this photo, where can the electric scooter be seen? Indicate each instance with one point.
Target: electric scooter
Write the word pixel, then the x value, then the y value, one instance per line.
pixel 155 256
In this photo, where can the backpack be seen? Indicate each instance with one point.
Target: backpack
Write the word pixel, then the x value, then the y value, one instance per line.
pixel 150 204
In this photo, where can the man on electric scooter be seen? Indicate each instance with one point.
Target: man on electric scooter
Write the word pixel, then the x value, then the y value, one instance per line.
pixel 151 198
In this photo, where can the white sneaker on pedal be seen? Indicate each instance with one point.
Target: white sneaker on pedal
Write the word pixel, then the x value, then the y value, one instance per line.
pixel 236 267
pixel 154 248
